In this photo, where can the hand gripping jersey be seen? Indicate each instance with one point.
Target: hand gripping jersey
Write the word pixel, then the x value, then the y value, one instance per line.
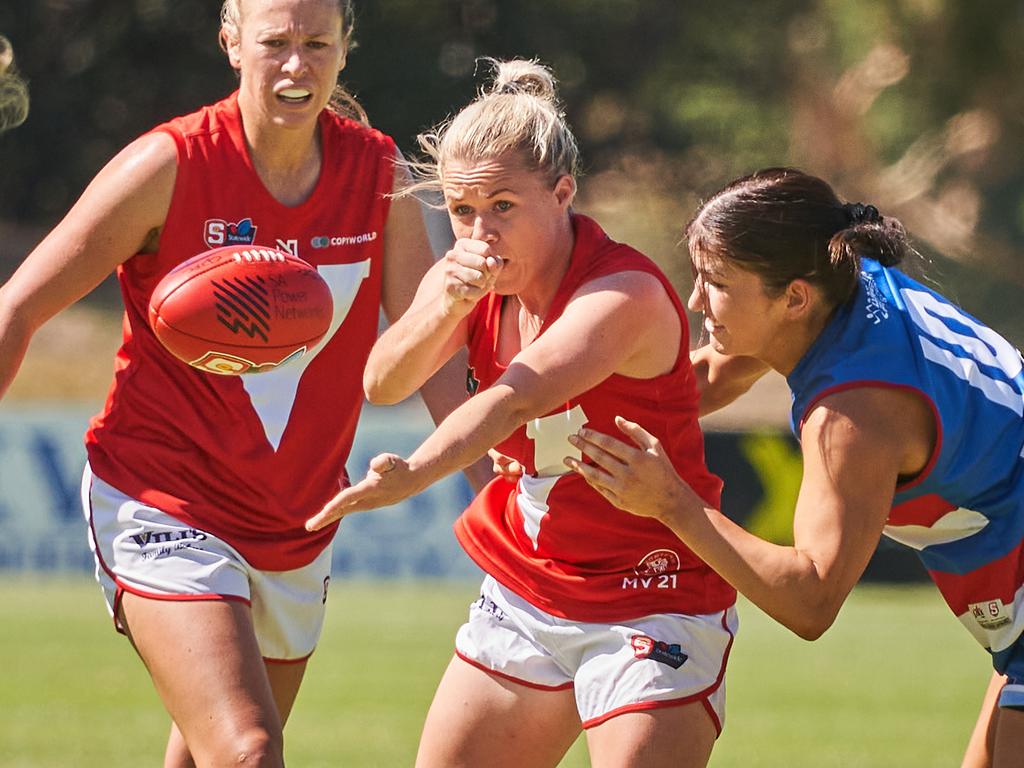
pixel 249 458
pixel 553 539
pixel 964 514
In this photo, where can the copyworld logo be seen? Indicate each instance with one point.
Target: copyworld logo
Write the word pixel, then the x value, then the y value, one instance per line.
pixel 323 241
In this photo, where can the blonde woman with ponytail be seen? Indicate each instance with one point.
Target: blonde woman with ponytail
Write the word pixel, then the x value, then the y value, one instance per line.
pixel 908 411
pixel 589 618
pixel 197 486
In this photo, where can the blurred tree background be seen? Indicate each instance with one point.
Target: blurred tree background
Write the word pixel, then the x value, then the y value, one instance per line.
pixel 916 106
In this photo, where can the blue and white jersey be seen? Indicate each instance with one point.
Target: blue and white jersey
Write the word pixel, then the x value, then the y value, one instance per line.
pixel 964 513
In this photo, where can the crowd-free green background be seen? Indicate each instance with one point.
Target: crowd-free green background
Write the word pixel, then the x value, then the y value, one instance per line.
pixel 913 105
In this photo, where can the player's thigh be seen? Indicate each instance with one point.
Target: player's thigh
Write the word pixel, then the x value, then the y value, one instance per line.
pixel 206 665
pixel 670 737
pixel 479 719
pixel 285 680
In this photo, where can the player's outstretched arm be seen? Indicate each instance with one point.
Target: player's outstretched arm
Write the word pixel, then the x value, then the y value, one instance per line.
pixel 606 328
pixel 121 210
pixel 854 445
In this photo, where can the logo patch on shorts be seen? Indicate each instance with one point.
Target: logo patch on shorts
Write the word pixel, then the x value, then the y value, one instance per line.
pixel 991 614
pixel 487 605
pixel 645 647
pixel 155 545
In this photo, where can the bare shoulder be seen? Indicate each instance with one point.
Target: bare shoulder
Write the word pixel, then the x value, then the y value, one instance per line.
pixel 152 157
pixel 874 408
pixel 629 290
pixel 885 421
pixel 631 312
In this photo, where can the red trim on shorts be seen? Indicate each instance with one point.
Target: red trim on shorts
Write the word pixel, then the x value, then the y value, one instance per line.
pixel 702 696
pixel 122 587
pixel 510 678
pixel 177 597
pixel 118 594
pixel 642 706
pixel 299 660
pixel 706 701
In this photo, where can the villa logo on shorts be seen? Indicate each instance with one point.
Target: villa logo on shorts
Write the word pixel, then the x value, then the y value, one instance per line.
pixel 156 545
pixel 645 647
pixel 167 537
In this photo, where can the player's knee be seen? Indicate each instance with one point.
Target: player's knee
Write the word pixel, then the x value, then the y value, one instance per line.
pixel 253 748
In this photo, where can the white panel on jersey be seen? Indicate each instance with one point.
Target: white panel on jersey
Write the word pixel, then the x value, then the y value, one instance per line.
pixel 993 623
pixel 532 500
pixel 273 393
pixel 967 369
pixel 985 347
pixel 550 435
pixel 952 526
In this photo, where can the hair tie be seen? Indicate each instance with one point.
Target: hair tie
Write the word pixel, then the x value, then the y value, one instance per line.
pixel 858 213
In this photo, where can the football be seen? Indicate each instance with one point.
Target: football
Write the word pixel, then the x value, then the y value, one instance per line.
pixel 240 309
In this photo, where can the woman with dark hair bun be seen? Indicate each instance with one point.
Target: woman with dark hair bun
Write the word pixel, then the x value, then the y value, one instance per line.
pixel 908 411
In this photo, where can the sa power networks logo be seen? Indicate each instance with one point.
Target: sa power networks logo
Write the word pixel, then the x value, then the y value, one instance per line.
pixel 217 232
pixel 645 647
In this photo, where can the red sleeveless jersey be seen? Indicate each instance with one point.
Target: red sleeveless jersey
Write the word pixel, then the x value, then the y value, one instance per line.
pixel 550 537
pixel 250 458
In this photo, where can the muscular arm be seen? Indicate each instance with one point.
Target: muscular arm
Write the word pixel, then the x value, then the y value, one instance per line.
pixel 855 444
pixel 612 325
pixel 122 208
pixel 416 345
pixel 407 259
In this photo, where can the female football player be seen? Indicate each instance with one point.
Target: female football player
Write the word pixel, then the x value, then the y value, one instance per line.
pixel 198 485
pixel 587 617
pixel 908 411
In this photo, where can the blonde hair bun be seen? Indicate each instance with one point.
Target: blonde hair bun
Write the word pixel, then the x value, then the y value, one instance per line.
pixel 520 76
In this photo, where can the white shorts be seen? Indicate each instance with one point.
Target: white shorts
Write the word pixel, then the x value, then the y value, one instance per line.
pixel 660 660
pixel 141 550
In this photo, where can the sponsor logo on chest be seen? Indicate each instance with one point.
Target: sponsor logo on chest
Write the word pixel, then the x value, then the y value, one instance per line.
pixel 218 232
pixel 335 241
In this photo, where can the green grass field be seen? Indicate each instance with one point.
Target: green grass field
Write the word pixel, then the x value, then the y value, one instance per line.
pixel 896 682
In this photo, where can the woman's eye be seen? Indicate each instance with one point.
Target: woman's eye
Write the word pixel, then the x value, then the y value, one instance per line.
pixel 502 206
pixel 462 210
pixel 272 43
pixel 316 45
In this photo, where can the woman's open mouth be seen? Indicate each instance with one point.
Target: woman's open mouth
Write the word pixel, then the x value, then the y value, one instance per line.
pixel 294 95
